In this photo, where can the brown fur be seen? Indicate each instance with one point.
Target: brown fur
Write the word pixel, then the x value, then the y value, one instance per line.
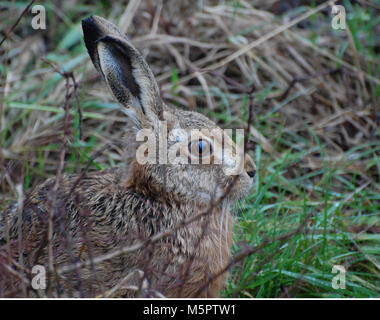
pixel 99 212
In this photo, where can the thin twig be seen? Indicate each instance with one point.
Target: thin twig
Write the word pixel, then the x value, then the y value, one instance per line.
pixel 17 22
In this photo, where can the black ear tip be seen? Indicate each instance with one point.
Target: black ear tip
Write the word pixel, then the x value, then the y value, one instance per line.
pixel 89 26
pixel 87 21
pixel 92 32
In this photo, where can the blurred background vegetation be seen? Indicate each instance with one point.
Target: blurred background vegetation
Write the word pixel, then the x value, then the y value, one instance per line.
pixel 314 131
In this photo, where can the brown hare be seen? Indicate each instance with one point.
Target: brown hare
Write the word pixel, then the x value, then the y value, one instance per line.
pixel 83 218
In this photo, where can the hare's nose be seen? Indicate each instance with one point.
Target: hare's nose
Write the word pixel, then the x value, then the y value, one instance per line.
pixel 251 173
pixel 249 166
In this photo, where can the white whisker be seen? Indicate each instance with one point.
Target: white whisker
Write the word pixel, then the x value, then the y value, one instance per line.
pixel 226 228
pixel 220 237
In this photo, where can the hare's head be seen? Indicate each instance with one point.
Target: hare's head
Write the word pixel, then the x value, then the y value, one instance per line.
pixel 179 153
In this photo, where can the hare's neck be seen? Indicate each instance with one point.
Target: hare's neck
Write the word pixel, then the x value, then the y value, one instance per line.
pixel 196 229
pixel 192 224
pixel 205 244
pixel 207 234
pixel 213 230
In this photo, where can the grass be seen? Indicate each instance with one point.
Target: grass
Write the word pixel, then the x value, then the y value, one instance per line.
pixel 337 233
pixel 317 151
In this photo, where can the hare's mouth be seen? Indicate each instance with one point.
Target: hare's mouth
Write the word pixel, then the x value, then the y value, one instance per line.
pixel 241 187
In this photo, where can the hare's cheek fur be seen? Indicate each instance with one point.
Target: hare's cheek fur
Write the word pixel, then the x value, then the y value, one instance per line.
pixel 193 183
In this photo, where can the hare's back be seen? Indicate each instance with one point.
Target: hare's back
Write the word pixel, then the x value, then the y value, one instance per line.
pixel 65 202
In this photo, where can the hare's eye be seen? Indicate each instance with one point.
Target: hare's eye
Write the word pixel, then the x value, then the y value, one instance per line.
pixel 200 148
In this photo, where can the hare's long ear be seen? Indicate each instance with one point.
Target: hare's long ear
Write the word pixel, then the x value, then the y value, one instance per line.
pixel 122 67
